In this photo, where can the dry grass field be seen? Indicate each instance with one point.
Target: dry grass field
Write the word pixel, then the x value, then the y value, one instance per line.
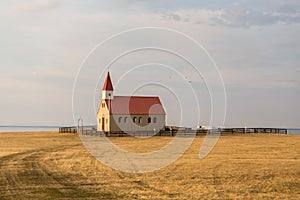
pixel 49 165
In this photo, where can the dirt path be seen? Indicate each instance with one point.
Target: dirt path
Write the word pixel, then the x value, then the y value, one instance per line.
pixel 26 164
pixel 25 175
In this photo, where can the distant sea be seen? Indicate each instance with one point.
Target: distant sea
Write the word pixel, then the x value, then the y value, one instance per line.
pixel 27 128
pixel 295 131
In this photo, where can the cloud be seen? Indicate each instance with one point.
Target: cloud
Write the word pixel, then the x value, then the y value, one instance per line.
pixel 193 16
pixel 285 84
pixel 35 6
pixel 243 15
pixel 172 16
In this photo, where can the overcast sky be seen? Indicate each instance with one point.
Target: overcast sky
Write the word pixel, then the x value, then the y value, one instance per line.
pixel 255 44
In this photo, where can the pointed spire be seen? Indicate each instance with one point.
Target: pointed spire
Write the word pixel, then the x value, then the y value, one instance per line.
pixel 108 84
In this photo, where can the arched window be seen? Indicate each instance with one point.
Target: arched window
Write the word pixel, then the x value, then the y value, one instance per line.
pixel 125 119
pixel 134 120
pixel 140 120
pixel 149 120
pixel 154 120
pixel 120 119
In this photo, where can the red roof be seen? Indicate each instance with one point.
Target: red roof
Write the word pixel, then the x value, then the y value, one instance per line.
pixel 107 84
pixel 135 105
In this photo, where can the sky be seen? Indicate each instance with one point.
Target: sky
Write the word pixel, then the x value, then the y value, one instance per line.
pixel 52 65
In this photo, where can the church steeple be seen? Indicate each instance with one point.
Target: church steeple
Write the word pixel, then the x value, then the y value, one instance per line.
pixel 107 90
pixel 107 84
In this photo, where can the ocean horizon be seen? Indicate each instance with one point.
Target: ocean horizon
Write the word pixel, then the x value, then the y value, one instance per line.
pixel 295 131
pixel 28 128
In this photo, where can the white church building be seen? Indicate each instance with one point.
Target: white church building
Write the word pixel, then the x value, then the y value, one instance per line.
pixel 129 113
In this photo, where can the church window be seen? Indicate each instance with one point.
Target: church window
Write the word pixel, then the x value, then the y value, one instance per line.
pixel 134 120
pixel 125 119
pixel 120 119
pixel 149 120
pixel 140 120
pixel 154 120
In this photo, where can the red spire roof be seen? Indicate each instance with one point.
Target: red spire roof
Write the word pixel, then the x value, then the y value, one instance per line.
pixel 107 84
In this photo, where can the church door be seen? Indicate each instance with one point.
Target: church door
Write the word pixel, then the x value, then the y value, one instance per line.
pixel 103 123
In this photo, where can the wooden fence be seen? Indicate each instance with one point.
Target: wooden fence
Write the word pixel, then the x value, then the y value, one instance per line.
pixel 91 130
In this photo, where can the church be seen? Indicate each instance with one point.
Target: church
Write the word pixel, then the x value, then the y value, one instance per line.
pixel 129 113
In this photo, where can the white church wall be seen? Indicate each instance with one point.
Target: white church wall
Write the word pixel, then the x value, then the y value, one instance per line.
pixel 126 123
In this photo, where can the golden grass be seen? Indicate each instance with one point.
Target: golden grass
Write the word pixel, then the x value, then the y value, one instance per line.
pixel 49 165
